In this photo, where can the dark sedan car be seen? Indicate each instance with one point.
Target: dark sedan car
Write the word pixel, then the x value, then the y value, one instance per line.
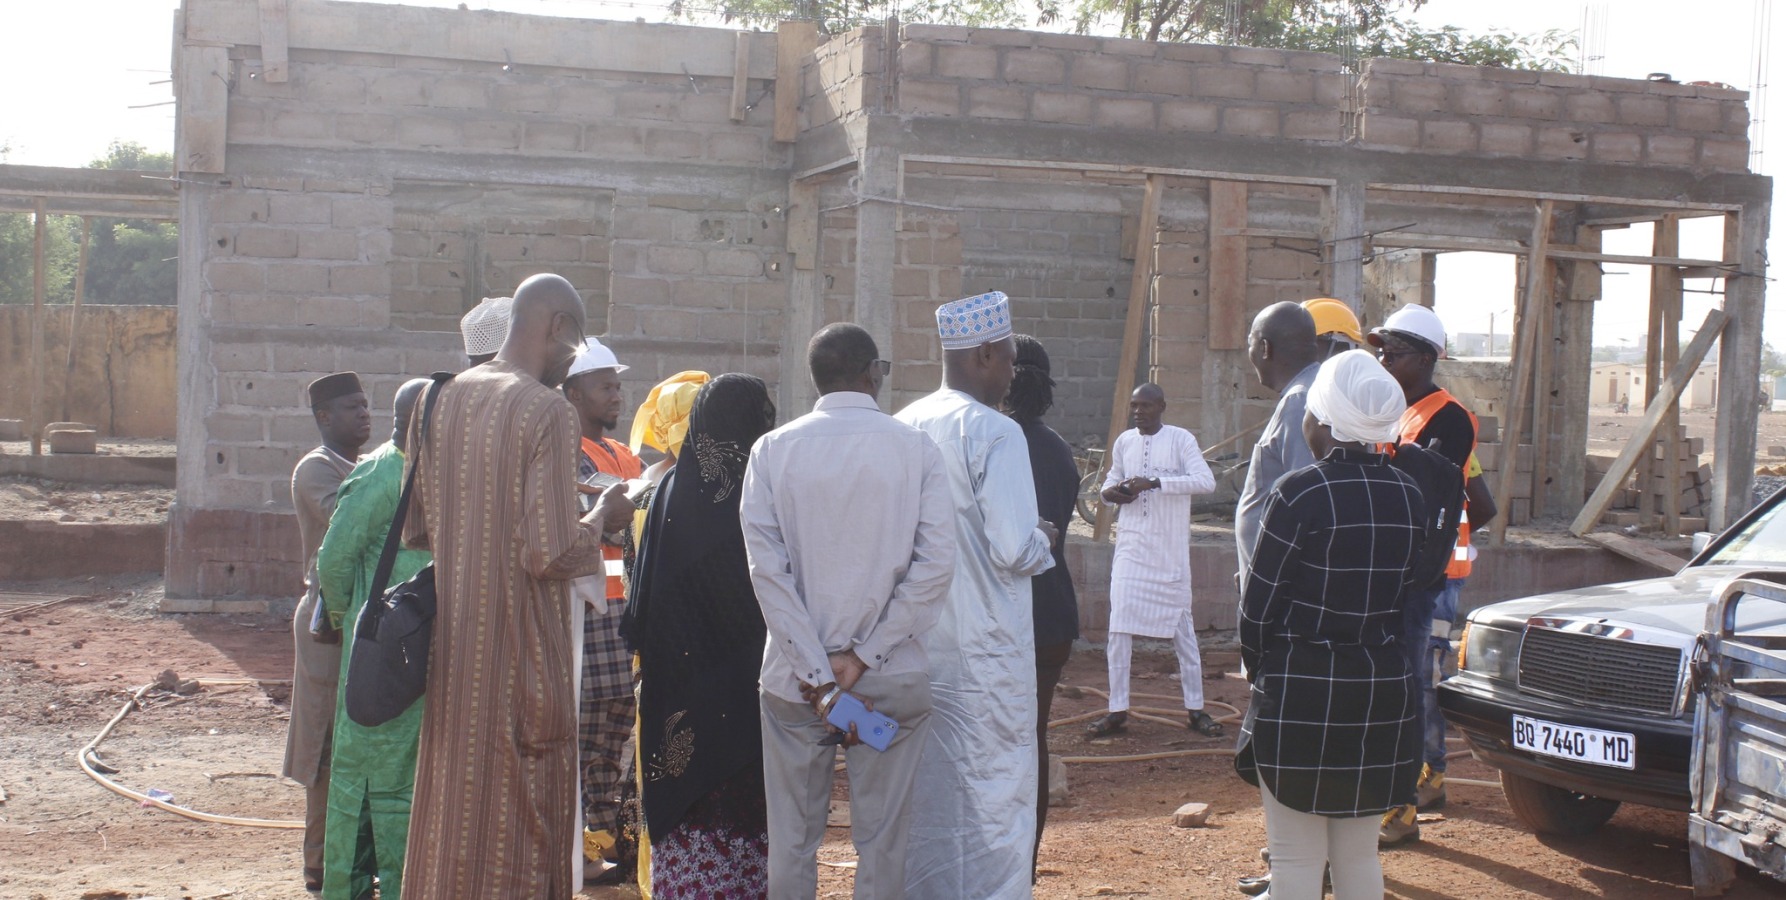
pixel 1582 698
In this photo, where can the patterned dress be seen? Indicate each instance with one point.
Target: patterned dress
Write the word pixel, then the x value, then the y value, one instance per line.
pixel 496 771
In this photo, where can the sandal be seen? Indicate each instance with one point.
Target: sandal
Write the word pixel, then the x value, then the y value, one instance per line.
pixel 1200 722
pixel 1110 724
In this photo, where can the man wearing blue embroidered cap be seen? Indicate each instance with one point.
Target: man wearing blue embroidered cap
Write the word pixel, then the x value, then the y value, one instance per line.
pixel 973 814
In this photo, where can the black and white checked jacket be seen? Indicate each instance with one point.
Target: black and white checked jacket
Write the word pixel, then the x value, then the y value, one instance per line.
pixel 1333 728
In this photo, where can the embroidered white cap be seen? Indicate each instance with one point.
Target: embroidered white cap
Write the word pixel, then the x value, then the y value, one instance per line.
pixel 486 326
pixel 971 321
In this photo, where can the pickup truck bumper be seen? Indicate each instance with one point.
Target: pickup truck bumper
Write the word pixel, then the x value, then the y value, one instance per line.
pixel 1484 710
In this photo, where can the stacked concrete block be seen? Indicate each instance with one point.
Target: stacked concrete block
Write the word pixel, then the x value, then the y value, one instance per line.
pixel 1449 109
pixel 951 71
pixel 927 272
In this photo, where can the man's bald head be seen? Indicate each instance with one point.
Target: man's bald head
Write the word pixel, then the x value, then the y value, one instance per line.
pixel 547 328
pixel 1281 343
pixel 1146 405
pixel 404 408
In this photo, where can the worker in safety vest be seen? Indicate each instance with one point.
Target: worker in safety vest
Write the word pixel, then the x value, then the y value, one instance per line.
pixel 1409 344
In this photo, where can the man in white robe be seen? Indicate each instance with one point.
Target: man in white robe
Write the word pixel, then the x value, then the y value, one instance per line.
pixel 973 809
pixel 1154 470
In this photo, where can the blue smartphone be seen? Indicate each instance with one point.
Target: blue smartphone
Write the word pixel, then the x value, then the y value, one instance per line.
pixel 874 729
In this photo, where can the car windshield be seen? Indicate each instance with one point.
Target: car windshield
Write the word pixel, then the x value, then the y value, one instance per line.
pixel 1763 542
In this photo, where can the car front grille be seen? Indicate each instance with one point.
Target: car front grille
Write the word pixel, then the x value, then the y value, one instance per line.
pixel 1600 671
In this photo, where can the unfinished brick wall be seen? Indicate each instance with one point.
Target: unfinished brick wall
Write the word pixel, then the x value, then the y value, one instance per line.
pixel 412 160
pixel 1440 108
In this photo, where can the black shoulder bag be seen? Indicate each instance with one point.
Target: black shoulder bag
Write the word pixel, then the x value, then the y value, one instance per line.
pixel 388 668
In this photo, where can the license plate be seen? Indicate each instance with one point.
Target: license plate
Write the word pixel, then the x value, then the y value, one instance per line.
pixel 1588 745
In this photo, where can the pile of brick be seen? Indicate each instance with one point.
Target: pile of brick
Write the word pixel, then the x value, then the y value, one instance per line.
pixel 1636 499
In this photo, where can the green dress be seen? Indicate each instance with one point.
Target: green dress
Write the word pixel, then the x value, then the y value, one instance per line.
pixel 373 777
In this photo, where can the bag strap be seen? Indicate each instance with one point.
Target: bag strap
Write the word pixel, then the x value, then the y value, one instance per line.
pixel 394 539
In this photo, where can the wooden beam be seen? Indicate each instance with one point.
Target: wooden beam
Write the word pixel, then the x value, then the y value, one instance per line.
pixel 275 42
pixel 74 318
pixel 740 76
pixel 1665 292
pixel 793 42
pixel 1227 265
pixel 1524 356
pixel 1654 260
pixel 1543 354
pixel 202 130
pixel 1637 551
pixel 37 290
pixel 1652 374
pixel 1140 286
pixel 1404 240
pixel 1639 446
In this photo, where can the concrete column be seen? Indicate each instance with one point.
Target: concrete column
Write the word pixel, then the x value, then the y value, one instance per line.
pixel 1342 229
pixel 877 218
pixel 1739 365
pixel 806 301
pixel 1574 364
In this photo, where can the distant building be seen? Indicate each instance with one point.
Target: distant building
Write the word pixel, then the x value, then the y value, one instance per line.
pixel 1611 381
pixel 1476 344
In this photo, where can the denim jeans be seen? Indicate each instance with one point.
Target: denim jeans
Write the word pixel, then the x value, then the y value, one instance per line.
pixel 1445 612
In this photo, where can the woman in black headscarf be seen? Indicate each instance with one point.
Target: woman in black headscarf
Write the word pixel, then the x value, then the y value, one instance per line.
pixel 692 617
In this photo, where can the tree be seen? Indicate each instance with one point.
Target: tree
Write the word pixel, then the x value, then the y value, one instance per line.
pixel 1367 27
pixel 131 260
pixel 1773 362
pixel 18 239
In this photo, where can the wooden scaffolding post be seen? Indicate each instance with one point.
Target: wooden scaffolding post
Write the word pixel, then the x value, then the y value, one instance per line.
pixel 1543 371
pixel 37 288
pixel 1524 355
pixel 1665 298
pixel 1652 375
pixel 1140 287
pixel 74 318
pixel 1640 445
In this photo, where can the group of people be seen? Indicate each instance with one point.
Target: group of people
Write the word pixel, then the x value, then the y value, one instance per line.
pixel 895 585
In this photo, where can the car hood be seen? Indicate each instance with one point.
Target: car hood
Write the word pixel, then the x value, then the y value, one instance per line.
pixel 1675 604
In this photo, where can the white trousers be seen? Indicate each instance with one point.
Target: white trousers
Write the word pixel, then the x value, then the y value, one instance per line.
pixel 1302 844
pixel 1120 647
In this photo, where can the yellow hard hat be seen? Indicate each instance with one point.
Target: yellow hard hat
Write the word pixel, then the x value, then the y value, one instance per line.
pixel 1334 316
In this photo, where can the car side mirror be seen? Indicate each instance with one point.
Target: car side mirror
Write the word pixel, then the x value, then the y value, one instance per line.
pixel 1701 539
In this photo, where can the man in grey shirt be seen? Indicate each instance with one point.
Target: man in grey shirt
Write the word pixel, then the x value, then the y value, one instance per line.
pixel 1281 346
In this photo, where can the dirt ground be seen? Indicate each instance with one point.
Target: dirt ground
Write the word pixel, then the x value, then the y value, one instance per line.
pixel 1608 431
pixel 30 498
pixel 66 670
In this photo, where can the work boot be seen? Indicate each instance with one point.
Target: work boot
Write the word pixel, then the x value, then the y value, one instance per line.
pixel 1429 791
pixel 1399 827
pixel 1109 724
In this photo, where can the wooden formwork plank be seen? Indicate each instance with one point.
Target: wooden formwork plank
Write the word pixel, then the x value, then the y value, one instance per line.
pixel 793 42
pixel 1524 355
pixel 1140 287
pixel 275 41
pixel 1640 443
pixel 1665 292
pixel 1227 265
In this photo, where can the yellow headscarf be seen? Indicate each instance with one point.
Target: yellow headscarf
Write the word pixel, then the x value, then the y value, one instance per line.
pixel 662 420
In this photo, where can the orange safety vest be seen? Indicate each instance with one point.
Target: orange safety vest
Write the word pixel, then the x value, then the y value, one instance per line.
pixel 1413 422
pixel 616 459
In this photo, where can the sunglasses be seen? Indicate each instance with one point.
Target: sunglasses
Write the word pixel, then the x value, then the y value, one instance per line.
pixel 881 367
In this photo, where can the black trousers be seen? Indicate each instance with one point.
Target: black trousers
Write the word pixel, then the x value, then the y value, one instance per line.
pixel 1050 660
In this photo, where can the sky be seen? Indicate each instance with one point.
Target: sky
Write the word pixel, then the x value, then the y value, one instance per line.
pixel 116 88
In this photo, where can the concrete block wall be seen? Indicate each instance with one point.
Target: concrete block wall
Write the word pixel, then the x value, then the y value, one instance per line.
pixel 1449 109
pixel 953 71
pixel 927 272
pixel 372 198
pixel 123 376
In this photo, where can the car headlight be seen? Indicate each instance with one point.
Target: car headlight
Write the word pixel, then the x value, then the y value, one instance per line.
pixel 1490 652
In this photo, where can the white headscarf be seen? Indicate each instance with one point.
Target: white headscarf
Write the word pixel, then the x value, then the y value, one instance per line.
pixel 1357 398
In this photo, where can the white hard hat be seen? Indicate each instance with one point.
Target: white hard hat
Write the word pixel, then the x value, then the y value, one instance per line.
pixel 1412 321
pixel 594 355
